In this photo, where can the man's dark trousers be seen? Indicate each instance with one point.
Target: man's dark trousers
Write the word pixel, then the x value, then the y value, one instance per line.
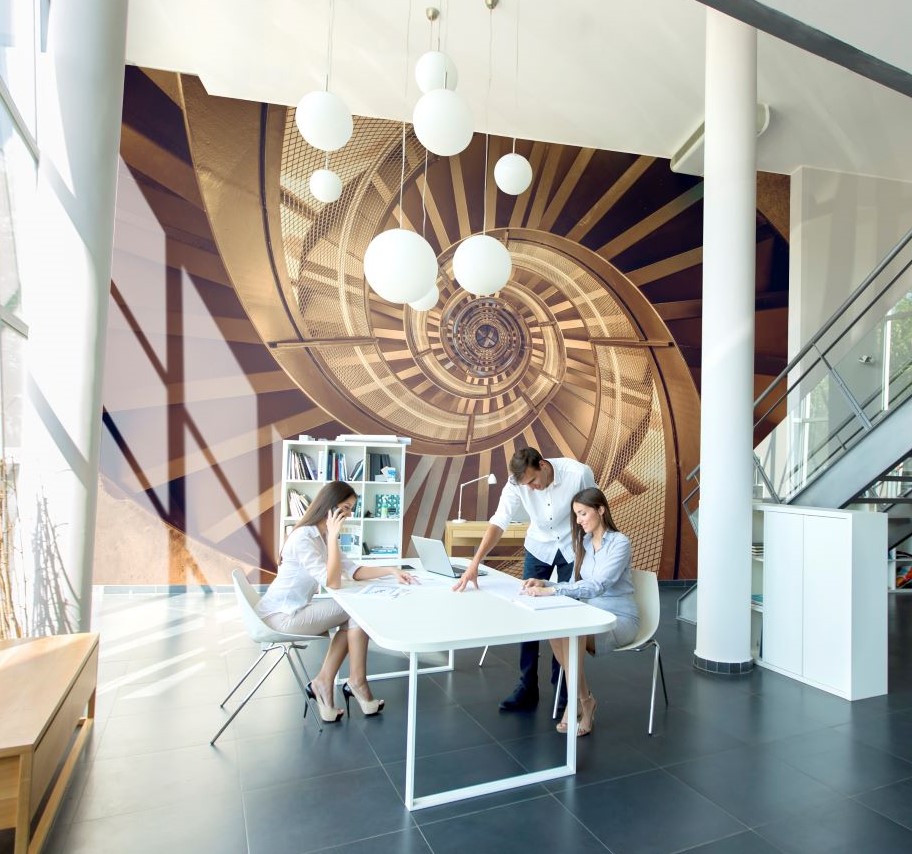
pixel 528 650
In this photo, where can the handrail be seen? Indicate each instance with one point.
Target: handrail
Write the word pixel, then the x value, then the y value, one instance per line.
pixel 812 346
pixel 837 314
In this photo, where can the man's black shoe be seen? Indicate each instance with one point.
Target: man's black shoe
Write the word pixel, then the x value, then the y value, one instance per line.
pixel 521 700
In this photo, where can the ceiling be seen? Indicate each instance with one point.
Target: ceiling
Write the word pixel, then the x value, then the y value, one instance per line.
pixel 623 75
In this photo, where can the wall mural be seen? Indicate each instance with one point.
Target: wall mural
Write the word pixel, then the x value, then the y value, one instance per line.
pixel 590 351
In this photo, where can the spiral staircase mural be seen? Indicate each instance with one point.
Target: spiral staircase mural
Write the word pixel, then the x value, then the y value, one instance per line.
pixel 589 351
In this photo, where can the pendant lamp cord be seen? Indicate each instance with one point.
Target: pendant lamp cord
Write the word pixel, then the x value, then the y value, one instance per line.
pixel 329 42
pixel 484 206
pixel 516 79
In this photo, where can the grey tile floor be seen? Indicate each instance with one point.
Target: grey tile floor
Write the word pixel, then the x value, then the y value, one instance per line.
pixel 753 764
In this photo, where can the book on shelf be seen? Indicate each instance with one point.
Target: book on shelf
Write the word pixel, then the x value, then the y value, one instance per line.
pixel 384 550
pixel 336 466
pixel 358 470
pixel 376 462
pixel 301 466
pixel 298 503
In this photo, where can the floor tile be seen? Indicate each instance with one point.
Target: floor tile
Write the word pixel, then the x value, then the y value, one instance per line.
pixel 403 842
pixel 445 729
pixel 846 827
pixel 136 783
pixel 287 757
pixel 541 824
pixel 752 785
pixel 840 762
pixel 455 769
pixel 648 813
pixel 741 843
pixel 891 733
pixel 200 824
pixel 679 736
pixel 308 815
pixel 893 801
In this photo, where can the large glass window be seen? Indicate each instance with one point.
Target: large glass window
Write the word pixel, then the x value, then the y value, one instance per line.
pixel 17 190
pixel 17 56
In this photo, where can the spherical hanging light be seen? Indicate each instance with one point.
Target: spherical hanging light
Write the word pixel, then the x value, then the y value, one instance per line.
pixel 400 265
pixel 482 265
pixel 427 302
pixel 443 122
pixel 435 70
pixel 513 174
pixel 325 185
pixel 324 120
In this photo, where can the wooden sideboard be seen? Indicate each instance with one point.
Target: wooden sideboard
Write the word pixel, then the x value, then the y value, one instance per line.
pixel 48 690
pixel 467 535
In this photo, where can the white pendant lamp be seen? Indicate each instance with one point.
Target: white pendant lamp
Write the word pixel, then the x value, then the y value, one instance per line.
pixel 325 186
pixel 322 117
pixel 400 265
pixel 428 301
pixel 482 265
pixel 324 120
pixel 435 70
pixel 443 122
pixel 513 174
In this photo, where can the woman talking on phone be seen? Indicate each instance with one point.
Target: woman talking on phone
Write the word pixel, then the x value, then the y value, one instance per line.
pixel 311 557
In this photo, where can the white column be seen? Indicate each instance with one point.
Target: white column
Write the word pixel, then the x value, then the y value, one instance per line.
pixel 726 413
pixel 66 284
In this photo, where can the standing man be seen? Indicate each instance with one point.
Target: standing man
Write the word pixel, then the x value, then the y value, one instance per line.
pixel 545 489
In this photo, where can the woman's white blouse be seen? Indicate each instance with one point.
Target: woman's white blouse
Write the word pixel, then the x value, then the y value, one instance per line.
pixel 301 572
pixel 605 580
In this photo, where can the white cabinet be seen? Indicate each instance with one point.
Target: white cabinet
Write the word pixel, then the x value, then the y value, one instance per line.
pixel 824 600
pixel 374 531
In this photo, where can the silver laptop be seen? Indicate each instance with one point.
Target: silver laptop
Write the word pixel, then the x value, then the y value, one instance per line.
pixel 434 558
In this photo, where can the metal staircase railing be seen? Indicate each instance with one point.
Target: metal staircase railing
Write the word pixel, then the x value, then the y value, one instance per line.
pixel 852 373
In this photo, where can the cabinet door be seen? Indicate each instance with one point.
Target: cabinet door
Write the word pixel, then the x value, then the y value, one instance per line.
pixel 827 601
pixel 783 590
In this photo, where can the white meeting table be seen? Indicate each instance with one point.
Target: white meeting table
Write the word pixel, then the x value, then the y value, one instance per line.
pixel 430 617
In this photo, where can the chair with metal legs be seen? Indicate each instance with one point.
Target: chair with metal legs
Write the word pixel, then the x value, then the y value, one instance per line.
pixel 271 641
pixel 646 593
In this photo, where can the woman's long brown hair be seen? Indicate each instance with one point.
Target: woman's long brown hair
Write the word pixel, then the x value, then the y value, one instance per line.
pixel 334 493
pixel 590 497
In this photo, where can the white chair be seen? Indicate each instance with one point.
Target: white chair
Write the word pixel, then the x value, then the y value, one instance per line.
pixel 271 640
pixel 646 593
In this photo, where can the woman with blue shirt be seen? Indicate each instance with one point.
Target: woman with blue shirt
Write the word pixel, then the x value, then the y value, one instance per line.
pixel 311 558
pixel 602 579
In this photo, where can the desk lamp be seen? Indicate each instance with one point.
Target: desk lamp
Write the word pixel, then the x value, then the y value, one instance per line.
pixel 491 479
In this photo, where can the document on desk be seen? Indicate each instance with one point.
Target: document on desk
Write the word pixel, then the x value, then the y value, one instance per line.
pixel 545 603
pixel 384 591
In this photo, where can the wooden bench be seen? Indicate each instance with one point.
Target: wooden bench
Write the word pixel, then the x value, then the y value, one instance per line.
pixel 47 686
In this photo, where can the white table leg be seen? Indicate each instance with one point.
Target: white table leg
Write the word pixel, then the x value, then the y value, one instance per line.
pixel 411 728
pixel 572 695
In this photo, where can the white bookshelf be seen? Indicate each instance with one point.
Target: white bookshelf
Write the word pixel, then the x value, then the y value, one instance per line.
pixel 354 460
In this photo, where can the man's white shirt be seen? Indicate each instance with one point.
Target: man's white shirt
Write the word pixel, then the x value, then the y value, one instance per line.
pixel 548 509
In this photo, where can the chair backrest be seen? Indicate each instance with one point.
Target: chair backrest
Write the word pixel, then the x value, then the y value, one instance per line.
pixel 646 593
pixel 247 599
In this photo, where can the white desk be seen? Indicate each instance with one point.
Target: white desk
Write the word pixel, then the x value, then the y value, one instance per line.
pixel 431 618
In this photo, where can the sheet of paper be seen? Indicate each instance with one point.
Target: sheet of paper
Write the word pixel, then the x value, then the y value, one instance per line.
pixel 545 603
pixel 387 591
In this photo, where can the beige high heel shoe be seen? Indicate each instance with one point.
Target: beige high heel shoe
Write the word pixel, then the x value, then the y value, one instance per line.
pixel 369 707
pixel 587 716
pixel 328 713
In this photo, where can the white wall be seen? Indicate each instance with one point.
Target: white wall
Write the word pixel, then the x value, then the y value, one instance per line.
pixel 841 226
